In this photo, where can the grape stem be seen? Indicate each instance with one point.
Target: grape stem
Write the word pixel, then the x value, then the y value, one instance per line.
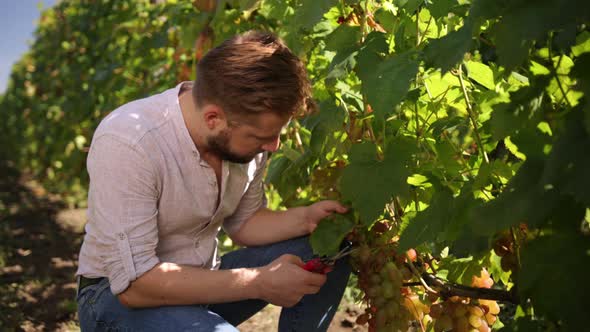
pixel 417 274
pixel 471 113
pixel 448 289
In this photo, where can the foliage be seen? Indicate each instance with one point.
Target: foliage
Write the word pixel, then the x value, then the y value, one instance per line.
pixel 462 128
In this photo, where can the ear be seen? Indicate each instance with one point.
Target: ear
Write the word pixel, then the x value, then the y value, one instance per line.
pixel 214 117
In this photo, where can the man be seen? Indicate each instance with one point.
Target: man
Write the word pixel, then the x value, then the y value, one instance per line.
pixel 168 171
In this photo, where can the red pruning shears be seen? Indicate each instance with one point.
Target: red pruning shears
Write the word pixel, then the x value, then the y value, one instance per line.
pixel 325 264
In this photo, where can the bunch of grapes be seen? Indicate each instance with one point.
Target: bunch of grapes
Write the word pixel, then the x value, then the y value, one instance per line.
pixel 457 314
pixel 391 306
pixel 505 246
pixel 381 274
pixel 484 280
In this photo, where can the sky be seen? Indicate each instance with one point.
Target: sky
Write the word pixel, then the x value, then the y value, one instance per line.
pixel 17 23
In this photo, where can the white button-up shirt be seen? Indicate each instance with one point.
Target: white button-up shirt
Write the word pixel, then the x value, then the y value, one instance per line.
pixel 153 199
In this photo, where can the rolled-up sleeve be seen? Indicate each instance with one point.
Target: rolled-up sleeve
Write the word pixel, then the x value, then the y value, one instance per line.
pixel 122 209
pixel 253 199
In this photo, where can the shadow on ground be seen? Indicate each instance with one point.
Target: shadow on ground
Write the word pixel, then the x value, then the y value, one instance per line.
pixel 38 256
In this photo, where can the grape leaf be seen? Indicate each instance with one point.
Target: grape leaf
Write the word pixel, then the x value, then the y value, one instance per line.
pixel 323 124
pixel 568 164
pixel 370 183
pixel 342 64
pixel 440 8
pixel 525 104
pixel 444 221
pixel 524 199
pixel 371 53
pixel 555 270
pixel 343 37
pixel 310 12
pixel 387 82
pixel 581 71
pixel 582 44
pixel 386 19
pixel 480 73
pixel 447 51
pixel 409 5
pixel 526 22
pixel 461 270
pixel 429 223
pixel 327 237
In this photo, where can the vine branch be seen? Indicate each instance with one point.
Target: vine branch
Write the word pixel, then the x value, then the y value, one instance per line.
pixel 472 116
pixel 448 289
pixel 417 274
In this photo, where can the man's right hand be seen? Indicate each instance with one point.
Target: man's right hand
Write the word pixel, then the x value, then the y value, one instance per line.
pixel 284 282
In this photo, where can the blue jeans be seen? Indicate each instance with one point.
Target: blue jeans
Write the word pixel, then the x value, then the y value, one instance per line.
pixel 100 310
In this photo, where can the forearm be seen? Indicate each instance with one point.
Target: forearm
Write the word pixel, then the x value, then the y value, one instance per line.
pixel 267 226
pixel 172 284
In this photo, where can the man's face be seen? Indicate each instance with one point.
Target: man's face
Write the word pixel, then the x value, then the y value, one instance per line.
pixel 240 143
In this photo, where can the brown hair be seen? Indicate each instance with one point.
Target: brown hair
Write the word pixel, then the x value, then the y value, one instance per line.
pixel 253 73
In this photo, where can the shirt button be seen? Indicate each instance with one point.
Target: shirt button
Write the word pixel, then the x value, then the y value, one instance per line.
pixel 196 244
pixel 121 236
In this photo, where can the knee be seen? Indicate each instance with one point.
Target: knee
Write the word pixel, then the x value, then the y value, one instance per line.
pixel 193 319
pixel 217 326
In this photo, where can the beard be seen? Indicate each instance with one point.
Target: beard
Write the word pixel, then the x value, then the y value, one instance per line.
pixel 219 145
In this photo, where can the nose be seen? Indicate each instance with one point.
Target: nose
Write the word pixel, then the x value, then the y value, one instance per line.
pixel 272 146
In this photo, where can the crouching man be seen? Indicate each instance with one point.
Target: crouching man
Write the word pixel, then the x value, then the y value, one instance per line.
pixel 168 171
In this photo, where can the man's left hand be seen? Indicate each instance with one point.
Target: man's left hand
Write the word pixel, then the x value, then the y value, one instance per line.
pixel 314 213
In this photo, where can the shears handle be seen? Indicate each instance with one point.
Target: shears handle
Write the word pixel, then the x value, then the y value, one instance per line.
pixel 317 266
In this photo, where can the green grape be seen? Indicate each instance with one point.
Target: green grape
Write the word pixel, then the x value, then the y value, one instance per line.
pixel 474 321
pixel 444 323
pixel 388 291
pixel 375 279
pixel 476 311
pixel 436 310
pixel 460 311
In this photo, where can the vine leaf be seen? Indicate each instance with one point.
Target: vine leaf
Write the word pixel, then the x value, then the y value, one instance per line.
pixel 481 73
pixel 444 221
pixel 524 106
pixel 429 223
pixel 555 271
pixel 323 125
pixel 310 12
pixel 440 8
pixel 447 51
pixel 369 184
pixel 342 38
pixel 581 71
pixel 523 200
pixel 326 238
pixel 568 164
pixel 385 82
pixel 526 22
pixel 460 270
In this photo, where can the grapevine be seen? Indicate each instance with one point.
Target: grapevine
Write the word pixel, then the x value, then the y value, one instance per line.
pixel 457 131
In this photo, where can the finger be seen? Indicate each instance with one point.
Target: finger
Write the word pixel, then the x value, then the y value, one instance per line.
pixel 315 279
pixel 293 259
pixel 311 289
pixel 334 206
pixel 328 269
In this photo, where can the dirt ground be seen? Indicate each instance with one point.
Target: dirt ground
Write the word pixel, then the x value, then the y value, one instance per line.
pixel 39 242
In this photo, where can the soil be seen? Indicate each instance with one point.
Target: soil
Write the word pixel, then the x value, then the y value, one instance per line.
pixel 39 242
